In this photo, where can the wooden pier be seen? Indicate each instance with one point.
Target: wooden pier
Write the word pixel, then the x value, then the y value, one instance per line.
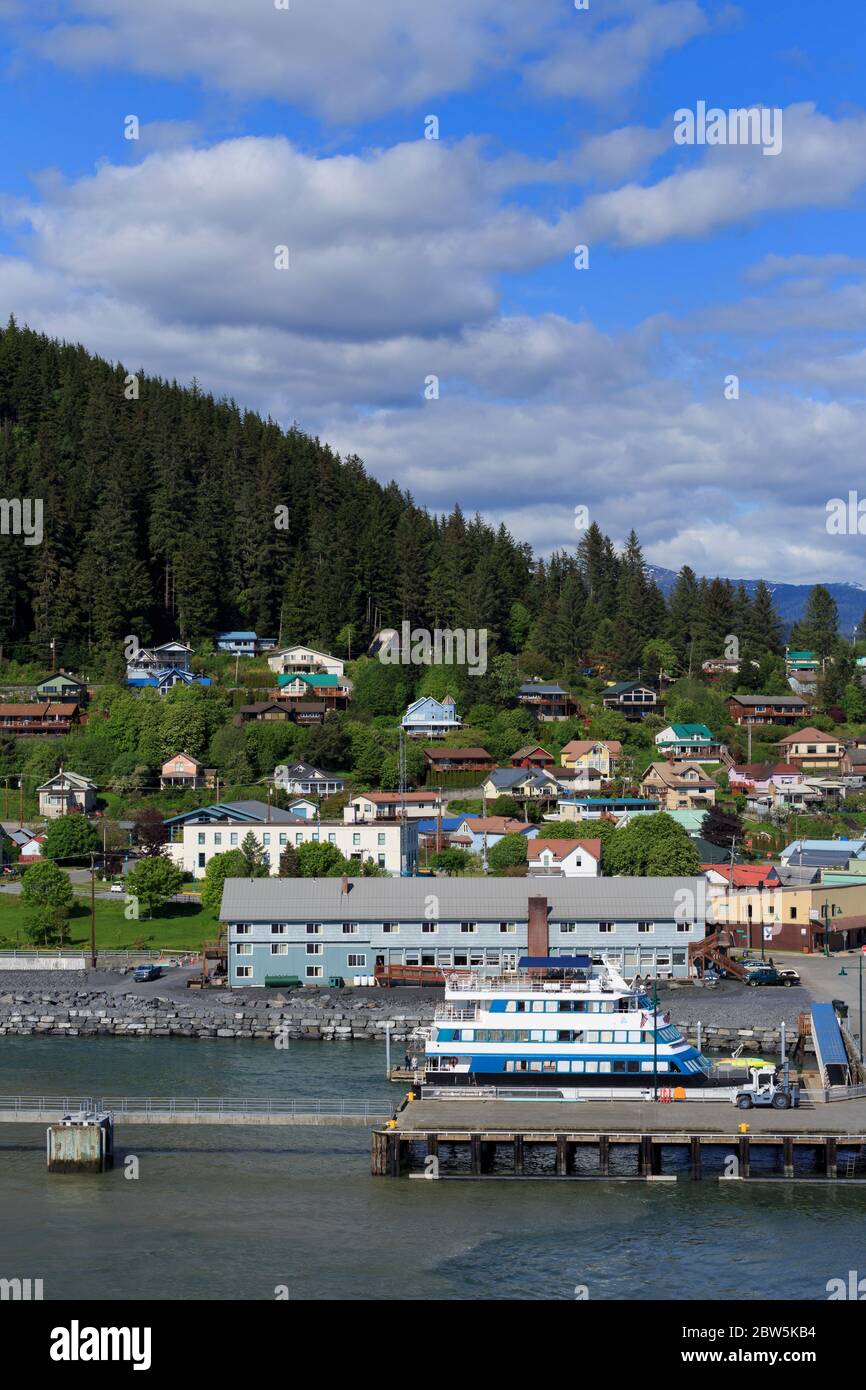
pixel 623 1141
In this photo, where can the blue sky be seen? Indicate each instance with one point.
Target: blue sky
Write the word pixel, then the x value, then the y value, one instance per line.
pixel 411 258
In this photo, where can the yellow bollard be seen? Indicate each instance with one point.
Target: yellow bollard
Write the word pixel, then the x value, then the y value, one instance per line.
pixel 744 1129
pixel 410 1095
pixel 392 1124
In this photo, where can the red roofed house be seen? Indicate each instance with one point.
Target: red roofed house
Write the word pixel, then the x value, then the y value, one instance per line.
pixel 565 858
pixel 742 875
pixel 531 756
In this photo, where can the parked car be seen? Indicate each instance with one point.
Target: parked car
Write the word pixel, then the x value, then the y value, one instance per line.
pixel 145 973
pixel 789 977
pixel 118 888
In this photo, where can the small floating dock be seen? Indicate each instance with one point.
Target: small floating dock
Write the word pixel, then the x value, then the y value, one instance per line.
pixel 623 1140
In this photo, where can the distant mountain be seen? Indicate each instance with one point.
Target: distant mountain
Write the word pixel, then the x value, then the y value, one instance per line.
pixel 790 599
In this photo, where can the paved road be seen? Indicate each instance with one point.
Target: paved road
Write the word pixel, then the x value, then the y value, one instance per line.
pixel 820 975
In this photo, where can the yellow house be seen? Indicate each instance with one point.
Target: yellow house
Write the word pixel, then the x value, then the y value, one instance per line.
pixel 600 754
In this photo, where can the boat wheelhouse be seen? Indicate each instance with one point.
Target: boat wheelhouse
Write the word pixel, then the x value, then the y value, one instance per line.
pixel 558 1021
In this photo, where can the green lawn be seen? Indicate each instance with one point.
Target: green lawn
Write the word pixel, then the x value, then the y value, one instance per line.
pixel 180 926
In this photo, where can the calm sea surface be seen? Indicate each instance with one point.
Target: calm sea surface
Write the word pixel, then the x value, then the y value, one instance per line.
pixel 232 1213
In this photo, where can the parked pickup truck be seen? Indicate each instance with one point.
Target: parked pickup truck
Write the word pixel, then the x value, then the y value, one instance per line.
pixel 145 973
pixel 769 975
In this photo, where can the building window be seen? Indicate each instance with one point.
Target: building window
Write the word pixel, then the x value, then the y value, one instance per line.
pixel 332 837
pixel 280 948
pixel 266 839
pixel 201 837
pixel 313 972
pixel 233 838
pixel 279 928
pixel 645 928
pixel 684 926
pixel 568 927
pixel 217 839
pixel 468 928
pixel 391 927
pixel 350 928
pixel 381 838
pixel 314 948
pixel 283 839
pixel 606 928
pixel 356 838
pixel 243 928
pixel 507 928
pixel 428 928
pixel 356 960
pixel 314 929
pixel 202 860
pixel 244 972
pixel 381 861
pixel 244 948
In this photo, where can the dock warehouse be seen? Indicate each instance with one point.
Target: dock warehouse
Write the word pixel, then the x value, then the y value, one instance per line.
pixel 317 928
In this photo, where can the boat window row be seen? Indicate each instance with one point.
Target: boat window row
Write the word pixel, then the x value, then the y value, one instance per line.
pixel 569 1006
pixel 586 1065
pixel 563 1035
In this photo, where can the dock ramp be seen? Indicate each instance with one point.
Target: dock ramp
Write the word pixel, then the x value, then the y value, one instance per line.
pixel 833 1063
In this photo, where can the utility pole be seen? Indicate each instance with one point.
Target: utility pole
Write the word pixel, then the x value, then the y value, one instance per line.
pixel 20 803
pixel 93 911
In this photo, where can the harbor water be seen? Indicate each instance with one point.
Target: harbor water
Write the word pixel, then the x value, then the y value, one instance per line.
pixel 253 1213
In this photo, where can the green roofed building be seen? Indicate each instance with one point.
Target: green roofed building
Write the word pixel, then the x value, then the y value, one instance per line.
pixel 693 741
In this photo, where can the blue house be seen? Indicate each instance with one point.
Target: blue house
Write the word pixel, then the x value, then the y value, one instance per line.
pixel 430 718
pixel 238 643
pixel 164 680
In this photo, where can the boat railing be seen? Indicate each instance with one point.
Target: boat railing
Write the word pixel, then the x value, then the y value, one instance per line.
pixel 446 1013
pixel 500 984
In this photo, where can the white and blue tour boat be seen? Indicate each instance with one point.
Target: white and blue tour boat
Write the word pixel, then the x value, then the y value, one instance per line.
pixel 559 1022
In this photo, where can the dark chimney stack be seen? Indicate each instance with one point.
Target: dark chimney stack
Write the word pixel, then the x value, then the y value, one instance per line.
pixel 537 938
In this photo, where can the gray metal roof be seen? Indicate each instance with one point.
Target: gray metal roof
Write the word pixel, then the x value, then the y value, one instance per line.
pixel 767 699
pixel 459 899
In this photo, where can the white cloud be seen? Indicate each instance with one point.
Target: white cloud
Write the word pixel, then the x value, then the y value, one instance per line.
pixel 822 163
pixel 347 61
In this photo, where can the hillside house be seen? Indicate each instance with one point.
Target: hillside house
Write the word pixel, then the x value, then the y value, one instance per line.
pixel 474 832
pixel 458 760
pixel 634 699
pixel 679 786
pixel 529 782
pixel 302 779
pixel 300 658
pixel 183 770
pixel 688 741
pixel 62 688
pixel 374 806
pixel 600 754
pixel 548 701
pixel 333 691
pixel 766 709
pixel 532 756
pixel 431 718
pixel 147 661
pixel 65 792
pixel 813 751
pixel 242 643
pixel 43 720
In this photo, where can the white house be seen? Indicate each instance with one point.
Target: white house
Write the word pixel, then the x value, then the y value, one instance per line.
pixel 32 850
pixel 65 792
pixel 304 780
pixel 431 718
pixel 565 858
pixel 197 842
pixel 148 660
pixel 376 806
pixel 303 658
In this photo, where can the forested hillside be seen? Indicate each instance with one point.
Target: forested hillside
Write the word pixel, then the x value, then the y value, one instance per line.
pixel 160 519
